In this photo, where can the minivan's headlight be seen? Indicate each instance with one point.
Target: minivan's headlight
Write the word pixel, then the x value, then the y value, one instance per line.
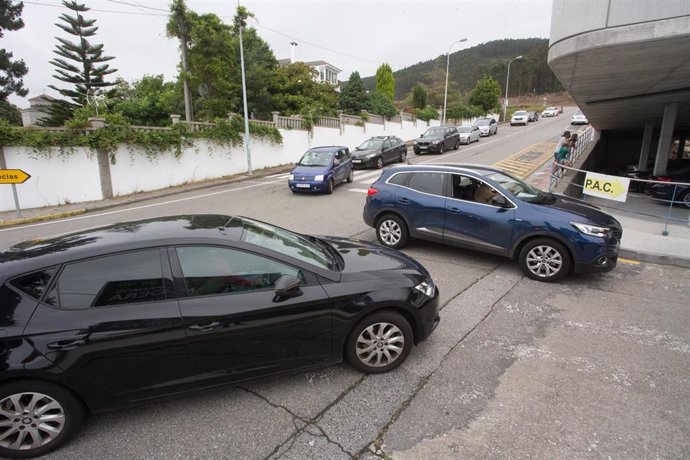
pixel 426 287
pixel 318 178
pixel 592 230
pixel 291 177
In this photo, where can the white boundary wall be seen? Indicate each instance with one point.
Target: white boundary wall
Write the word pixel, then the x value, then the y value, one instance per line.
pixel 73 178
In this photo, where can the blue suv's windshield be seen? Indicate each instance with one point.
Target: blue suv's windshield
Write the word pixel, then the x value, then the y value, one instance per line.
pixel 519 189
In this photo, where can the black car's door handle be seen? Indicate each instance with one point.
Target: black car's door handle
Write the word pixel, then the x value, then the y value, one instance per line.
pixel 404 201
pixel 204 327
pixel 66 344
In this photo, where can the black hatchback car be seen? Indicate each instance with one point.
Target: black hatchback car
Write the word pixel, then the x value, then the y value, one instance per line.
pixel 120 315
pixel 379 150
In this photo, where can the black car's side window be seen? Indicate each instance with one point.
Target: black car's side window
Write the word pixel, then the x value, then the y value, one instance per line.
pixel 34 284
pixel 427 182
pixel 211 270
pixel 127 278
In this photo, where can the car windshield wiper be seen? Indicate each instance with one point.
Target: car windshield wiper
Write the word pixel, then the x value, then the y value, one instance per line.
pixel 336 258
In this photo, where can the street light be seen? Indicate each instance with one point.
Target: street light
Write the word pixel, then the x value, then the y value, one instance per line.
pixel 445 95
pixel 244 101
pixel 505 101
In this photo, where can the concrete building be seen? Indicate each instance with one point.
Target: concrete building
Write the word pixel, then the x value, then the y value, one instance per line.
pixel 38 109
pixel 627 65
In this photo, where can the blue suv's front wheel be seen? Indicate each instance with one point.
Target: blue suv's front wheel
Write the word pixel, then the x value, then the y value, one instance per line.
pixel 391 231
pixel 545 259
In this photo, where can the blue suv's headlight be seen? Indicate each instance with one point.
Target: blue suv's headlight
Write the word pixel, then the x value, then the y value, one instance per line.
pixel 592 230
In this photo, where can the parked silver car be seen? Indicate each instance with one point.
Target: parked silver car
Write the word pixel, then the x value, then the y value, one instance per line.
pixel 487 126
pixel 468 134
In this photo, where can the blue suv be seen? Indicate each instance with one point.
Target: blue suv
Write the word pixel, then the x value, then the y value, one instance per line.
pixel 486 209
pixel 320 169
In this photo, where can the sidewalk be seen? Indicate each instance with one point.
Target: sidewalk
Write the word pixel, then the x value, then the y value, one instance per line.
pixel 642 225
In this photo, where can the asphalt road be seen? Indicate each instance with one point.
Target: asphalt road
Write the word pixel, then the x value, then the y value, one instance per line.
pixel 593 366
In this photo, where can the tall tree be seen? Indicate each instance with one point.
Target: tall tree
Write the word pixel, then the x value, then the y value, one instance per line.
pixel 419 97
pixel 385 81
pixel 79 63
pixel 178 26
pixel 296 90
pixel 381 104
pixel 486 94
pixel 11 72
pixel 354 98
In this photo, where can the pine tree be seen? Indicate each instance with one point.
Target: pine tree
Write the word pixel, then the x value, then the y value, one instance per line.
pixel 354 97
pixel 11 72
pixel 80 63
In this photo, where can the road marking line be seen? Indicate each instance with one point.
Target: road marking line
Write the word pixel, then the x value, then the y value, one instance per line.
pixel 281 175
pixel 628 261
pixel 366 175
pixel 359 190
pixel 136 208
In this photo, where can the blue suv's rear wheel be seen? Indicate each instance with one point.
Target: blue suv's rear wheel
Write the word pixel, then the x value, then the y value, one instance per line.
pixel 391 231
pixel 545 259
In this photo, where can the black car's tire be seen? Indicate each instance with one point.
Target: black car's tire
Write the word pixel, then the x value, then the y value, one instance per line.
pixel 331 185
pixel 379 343
pixel 350 176
pixel 379 163
pixel 441 148
pixel 403 156
pixel 686 199
pixel 545 259
pixel 47 415
pixel 391 231
pixel 457 145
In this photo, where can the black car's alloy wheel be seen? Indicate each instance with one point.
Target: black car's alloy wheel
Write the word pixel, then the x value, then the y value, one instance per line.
pixel 36 418
pixel 391 231
pixel 379 163
pixel 441 148
pixel 379 343
pixel 403 156
pixel 686 199
pixel 545 259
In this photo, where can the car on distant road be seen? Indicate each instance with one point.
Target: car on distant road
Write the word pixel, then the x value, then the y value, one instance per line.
pixel 320 169
pixel 550 112
pixel 487 126
pixel 485 209
pixel 520 117
pixel 126 314
pixel 532 116
pixel 379 150
pixel 468 134
pixel 437 140
pixel 579 119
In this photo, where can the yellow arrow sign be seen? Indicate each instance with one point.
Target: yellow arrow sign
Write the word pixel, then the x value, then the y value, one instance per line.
pixel 604 186
pixel 13 176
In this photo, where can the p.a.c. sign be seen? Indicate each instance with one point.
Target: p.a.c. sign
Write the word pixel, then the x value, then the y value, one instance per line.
pixel 609 187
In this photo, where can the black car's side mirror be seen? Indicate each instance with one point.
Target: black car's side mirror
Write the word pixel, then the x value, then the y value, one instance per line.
pixel 286 287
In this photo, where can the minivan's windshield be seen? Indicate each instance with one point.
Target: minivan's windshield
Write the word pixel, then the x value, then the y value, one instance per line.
pixel 371 144
pixel 316 158
pixel 464 129
pixel 482 122
pixel 288 243
pixel 519 189
pixel 520 113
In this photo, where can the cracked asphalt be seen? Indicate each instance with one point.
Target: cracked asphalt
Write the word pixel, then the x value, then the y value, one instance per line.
pixel 594 366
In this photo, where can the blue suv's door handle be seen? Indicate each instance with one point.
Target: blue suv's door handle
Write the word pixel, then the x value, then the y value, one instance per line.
pixel 454 211
pixel 404 201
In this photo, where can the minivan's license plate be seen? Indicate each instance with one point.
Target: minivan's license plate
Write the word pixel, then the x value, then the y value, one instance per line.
pixel 302 185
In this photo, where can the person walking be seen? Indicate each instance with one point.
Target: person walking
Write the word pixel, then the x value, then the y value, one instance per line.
pixel 560 153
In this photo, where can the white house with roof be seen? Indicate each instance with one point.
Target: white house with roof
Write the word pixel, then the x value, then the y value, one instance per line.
pixel 38 109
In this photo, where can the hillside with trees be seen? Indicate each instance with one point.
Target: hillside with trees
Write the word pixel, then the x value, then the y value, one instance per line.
pixel 531 74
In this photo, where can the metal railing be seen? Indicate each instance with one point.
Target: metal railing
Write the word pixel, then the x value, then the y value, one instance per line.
pixel 581 144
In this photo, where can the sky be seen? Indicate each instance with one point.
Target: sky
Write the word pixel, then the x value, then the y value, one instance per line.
pixel 352 35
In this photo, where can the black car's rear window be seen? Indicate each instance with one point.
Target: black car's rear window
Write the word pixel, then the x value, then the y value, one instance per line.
pixel 33 284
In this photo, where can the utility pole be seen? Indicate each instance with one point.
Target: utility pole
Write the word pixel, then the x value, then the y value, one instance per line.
pixel 244 97
pixel 180 13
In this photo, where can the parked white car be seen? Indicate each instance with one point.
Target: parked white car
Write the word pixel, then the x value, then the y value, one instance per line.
pixel 519 118
pixel 579 119
pixel 468 134
pixel 550 112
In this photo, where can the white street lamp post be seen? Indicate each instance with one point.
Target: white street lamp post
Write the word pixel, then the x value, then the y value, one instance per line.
pixel 505 101
pixel 244 102
pixel 445 95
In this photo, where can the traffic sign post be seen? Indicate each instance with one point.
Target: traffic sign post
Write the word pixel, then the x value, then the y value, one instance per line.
pixel 14 176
